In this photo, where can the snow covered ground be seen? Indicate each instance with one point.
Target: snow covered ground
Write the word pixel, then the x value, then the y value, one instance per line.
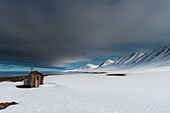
pixel 138 92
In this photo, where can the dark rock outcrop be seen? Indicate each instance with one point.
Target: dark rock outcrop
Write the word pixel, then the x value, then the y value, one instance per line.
pixel 6 104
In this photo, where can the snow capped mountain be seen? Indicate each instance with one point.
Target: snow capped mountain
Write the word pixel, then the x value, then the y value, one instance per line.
pixel 157 57
pixel 127 60
pixel 88 66
pixel 106 63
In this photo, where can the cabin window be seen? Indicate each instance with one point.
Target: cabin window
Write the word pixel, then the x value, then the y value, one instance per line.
pixel 37 77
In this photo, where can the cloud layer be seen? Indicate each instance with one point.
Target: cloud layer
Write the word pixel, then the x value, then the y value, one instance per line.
pixel 58 32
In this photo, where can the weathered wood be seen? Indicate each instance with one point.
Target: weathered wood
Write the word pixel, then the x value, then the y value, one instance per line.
pixel 26 81
pixel 35 79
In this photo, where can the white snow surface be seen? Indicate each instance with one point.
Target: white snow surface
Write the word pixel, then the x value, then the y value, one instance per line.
pixel 141 91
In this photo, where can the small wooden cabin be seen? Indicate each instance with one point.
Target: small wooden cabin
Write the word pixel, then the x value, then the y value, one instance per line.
pixel 34 79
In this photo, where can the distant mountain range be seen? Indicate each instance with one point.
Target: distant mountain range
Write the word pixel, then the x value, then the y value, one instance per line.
pixel 88 66
pixel 154 58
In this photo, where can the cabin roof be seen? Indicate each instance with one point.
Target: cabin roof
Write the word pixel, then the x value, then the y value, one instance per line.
pixel 36 72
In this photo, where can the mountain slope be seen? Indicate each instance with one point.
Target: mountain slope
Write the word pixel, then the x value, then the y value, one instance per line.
pixel 106 63
pixel 158 57
pixel 88 66
pixel 154 58
pixel 128 60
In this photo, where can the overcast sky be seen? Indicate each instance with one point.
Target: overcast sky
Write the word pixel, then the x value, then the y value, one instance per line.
pixel 59 32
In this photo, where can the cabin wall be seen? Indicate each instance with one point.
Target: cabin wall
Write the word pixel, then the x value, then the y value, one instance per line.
pixel 31 81
pixel 35 80
pixel 26 82
pixel 38 78
pixel 41 80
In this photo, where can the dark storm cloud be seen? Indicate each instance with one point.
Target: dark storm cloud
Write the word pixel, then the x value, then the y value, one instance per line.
pixel 57 32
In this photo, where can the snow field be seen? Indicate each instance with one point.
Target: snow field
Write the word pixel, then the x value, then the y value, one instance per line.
pixel 138 92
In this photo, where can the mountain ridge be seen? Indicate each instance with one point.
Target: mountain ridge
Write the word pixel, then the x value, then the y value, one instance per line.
pixel 88 66
pixel 153 58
